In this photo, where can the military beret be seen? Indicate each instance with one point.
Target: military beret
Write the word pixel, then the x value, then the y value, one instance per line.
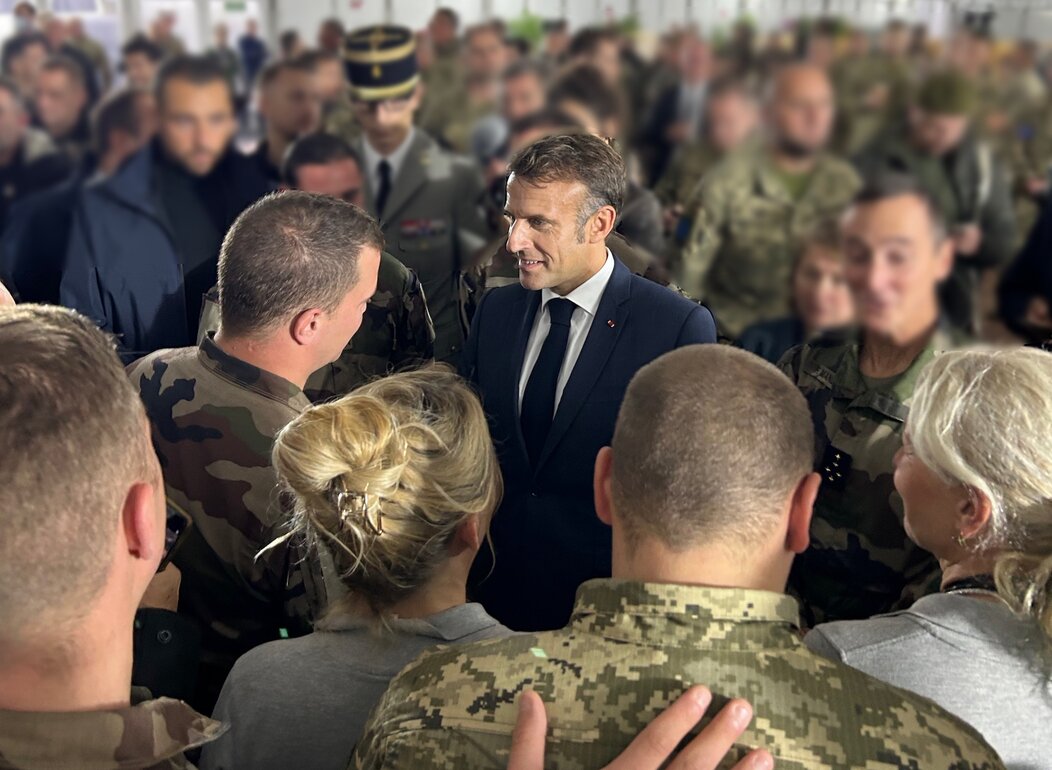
pixel 380 62
pixel 947 93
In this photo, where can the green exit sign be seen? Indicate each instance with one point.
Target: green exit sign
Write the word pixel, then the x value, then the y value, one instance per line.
pixel 234 6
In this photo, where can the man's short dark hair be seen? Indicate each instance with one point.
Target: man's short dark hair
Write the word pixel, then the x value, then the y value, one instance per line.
pixel 334 24
pixel 709 444
pixel 316 56
pixel 198 70
pixel 117 112
pixel 24 6
pixel 587 41
pixel 289 252
pixel 886 185
pixel 552 118
pixel 140 44
pixel 315 150
pixel 584 85
pixel 17 45
pixel 62 63
pixel 725 85
pixel 276 69
pixel 485 28
pixel 451 16
pixel 287 40
pixel 575 158
pixel 538 68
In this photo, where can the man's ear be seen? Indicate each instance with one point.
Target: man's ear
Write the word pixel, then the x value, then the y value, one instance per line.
pixel 602 224
pixel 798 533
pixel 604 506
pixel 306 326
pixel 944 256
pixel 139 520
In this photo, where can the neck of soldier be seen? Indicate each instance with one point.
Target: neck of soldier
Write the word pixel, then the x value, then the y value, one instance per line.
pixel 793 164
pixel 386 143
pixel 272 354
pixel 766 568
pixel 83 667
pixel 886 354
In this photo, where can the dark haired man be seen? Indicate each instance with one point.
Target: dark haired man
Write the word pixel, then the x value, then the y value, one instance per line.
pixel 290 106
pixel 216 408
pixel 23 56
pixel 62 104
pixel 145 241
pixel 140 58
pixel 859 385
pixel 551 358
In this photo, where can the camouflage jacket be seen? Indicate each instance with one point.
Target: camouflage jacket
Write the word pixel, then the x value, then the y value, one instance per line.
pixel 339 120
pixel 860 562
pixel 630 650
pixel 151 735
pixel 396 333
pixel 678 185
pixel 747 230
pixel 214 419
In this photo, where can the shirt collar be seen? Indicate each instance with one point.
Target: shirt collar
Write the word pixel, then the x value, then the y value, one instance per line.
pixel 664 614
pixel 396 158
pixel 247 376
pixel 449 625
pixel 143 735
pixel 589 294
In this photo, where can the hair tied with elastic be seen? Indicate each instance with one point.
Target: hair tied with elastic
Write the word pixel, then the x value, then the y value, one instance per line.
pixel 358 508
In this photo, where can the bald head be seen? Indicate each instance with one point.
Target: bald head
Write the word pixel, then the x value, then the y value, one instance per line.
pixel 710 443
pixel 800 110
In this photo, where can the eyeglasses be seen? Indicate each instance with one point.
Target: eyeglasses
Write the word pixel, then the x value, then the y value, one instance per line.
pixel 386 105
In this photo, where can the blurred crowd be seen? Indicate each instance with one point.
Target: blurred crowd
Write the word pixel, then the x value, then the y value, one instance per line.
pixel 289 250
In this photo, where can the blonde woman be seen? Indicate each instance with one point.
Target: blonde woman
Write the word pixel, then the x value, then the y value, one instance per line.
pixel 397 481
pixel 975 476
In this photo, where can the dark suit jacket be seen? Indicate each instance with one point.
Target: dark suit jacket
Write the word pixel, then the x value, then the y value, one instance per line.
pixel 546 535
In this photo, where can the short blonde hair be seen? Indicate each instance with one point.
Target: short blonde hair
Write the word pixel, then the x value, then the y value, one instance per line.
pixel 983 418
pixel 409 454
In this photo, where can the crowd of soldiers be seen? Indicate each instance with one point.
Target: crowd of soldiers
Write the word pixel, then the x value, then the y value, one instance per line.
pixel 849 204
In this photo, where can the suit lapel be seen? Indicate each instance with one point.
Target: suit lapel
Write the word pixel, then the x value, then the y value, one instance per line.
pixel 411 177
pixel 598 345
pixel 523 316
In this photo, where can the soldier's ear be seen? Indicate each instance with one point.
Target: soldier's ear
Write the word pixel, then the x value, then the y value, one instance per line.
pixel 798 532
pixel 604 506
pixel 305 326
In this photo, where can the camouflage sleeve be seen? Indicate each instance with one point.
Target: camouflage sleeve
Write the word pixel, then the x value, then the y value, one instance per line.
pixel 997 221
pixel 790 362
pixel 415 335
pixel 703 243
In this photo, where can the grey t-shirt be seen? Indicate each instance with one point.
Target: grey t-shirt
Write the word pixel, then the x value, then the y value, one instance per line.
pixel 974 657
pixel 304 702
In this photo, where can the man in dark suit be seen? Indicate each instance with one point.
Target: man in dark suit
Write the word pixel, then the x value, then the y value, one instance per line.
pixel 551 358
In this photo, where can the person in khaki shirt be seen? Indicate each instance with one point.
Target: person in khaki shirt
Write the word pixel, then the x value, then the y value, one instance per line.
pixel 758 205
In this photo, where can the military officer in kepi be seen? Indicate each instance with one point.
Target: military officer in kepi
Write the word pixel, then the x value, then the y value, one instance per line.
pixel 428 201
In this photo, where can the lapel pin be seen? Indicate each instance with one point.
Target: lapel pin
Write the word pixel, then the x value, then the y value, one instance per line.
pixel 611 324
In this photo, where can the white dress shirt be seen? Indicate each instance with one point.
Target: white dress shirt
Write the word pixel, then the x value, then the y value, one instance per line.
pixel 395 159
pixel 586 297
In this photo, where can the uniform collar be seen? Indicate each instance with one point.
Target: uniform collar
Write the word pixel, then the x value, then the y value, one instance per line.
pixel 770 186
pixel 663 614
pixel 396 159
pixel 250 377
pixel 589 294
pixel 144 735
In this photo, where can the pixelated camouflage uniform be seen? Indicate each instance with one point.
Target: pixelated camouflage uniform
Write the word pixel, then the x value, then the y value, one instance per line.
pixel 854 80
pixel 214 418
pixel 860 562
pixel 396 333
pixel 152 735
pixel 443 84
pixel 1027 149
pixel 679 184
pixel 747 230
pixel 632 648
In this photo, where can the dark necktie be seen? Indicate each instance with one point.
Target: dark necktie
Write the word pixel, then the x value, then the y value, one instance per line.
pixel 383 189
pixel 538 400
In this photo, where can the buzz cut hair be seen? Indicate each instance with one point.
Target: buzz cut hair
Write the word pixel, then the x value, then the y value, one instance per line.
pixel 710 443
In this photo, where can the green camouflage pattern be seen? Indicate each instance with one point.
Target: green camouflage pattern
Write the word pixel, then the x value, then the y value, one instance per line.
pixel 860 562
pixel 214 419
pixel 678 186
pixel 747 231
pixel 855 79
pixel 631 649
pixel 396 333
pixel 1027 149
pixel 152 735
pixel 433 223
pixel 338 119
pixel 443 83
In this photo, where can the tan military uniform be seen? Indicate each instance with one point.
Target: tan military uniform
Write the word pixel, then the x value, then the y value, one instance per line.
pixel 433 224
pixel 339 120
pixel 629 651
pixel 443 84
pixel 679 184
pixel 747 231
pixel 860 562
pixel 152 735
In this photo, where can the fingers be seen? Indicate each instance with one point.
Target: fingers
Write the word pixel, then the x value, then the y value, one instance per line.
pixel 651 748
pixel 758 759
pixel 709 747
pixel 527 740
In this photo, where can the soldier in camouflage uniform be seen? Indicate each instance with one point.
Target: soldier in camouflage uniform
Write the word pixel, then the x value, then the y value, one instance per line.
pixel 859 384
pixel 759 204
pixel 78 553
pixel 396 332
pixel 638 641
pixel 215 411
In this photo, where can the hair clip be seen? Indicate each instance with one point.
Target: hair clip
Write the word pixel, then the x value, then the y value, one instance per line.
pixel 359 508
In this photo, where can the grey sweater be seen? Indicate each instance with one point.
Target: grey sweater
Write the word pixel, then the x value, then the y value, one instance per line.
pixel 304 702
pixel 974 657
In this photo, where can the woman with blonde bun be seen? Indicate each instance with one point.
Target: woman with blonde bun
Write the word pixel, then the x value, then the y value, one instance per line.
pixel 397 482
pixel 975 476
